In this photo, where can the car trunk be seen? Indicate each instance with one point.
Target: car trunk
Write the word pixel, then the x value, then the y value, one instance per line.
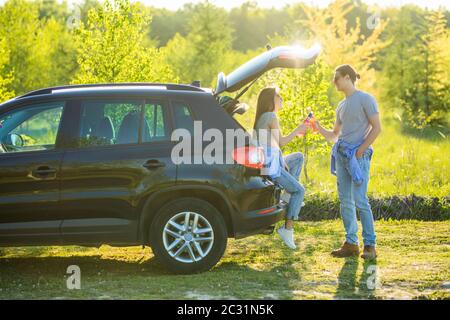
pixel 292 57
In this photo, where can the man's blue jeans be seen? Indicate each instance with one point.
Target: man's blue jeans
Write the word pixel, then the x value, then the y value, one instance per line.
pixel 289 181
pixel 352 196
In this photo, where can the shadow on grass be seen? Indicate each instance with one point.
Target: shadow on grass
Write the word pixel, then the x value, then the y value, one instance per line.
pixel 90 265
pixel 45 277
pixel 348 285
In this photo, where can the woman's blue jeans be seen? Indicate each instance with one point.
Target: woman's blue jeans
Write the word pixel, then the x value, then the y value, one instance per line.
pixel 352 196
pixel 289 181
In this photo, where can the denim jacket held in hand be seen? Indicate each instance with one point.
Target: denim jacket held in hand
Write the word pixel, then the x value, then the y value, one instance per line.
pixel 349 151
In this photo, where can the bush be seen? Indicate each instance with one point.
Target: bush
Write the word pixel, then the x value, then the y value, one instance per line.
pixel 395 208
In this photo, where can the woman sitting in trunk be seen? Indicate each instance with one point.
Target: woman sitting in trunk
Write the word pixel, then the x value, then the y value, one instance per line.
pixel 285 171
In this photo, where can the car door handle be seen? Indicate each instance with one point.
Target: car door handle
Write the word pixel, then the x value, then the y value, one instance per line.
pixel 153 164
pixel 43 171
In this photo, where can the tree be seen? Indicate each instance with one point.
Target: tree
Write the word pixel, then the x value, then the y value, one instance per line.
pixel 303 90
pixel 401 70
pixel 167 23
pixel 342 43
pixel 5 78
pixel 112 47
pixel 436 85
pixel 41 52
pixel 19 25
pixel 200 55
pixel 415 66
pixel 253 25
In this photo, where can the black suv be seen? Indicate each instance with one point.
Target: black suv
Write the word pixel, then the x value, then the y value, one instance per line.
pixel 93 164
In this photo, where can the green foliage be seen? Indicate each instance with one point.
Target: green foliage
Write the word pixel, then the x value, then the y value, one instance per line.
pixel 20 24
pixel 415 75
pixel 41 52
pixel 5 78
pixel 341 42
pixel 53 9
pixel 254 25
pixel 323 207
pixel 166 23
pixel 112 47
pixel 302 90
pixel 199 55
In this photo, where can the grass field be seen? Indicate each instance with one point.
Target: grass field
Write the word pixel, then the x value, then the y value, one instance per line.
pixel 403 163
pixel 413 262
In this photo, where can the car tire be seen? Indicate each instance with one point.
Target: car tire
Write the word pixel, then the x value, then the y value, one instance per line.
pixel 171 236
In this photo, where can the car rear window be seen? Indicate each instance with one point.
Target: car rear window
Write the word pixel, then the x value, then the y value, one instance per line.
pixel 115 122
pixel 155 127
pixel 182 115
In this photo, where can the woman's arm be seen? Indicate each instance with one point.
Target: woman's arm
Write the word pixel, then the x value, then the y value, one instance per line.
pixel 283 140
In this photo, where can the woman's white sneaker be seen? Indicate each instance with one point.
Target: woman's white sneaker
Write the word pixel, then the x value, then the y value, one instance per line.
pixel 287 236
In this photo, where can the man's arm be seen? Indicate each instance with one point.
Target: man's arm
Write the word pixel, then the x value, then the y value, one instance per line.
pixel 330 135
pixel 373 134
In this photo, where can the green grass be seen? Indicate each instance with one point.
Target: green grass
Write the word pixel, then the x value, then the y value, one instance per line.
pixel 403 163
pixel 414 262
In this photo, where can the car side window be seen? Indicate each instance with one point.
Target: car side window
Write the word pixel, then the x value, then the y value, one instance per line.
pixel 183 116
pixel 106 122
pixel 31 128
pixel 154 128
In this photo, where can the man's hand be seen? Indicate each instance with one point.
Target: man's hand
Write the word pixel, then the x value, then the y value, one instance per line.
pixel 373 134
pixel 359 153
pixel 330 135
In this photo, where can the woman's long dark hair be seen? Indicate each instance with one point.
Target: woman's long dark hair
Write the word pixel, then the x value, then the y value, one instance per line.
pixel 266 102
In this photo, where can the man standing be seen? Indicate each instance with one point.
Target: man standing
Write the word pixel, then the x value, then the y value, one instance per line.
pixel 356 127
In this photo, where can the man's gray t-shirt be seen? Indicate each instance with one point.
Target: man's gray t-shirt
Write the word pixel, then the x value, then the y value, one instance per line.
pixel 353 114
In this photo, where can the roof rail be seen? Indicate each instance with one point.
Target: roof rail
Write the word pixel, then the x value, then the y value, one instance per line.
pixel 169 86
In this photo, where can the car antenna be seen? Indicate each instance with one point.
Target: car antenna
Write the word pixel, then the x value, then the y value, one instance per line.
pixel 196 83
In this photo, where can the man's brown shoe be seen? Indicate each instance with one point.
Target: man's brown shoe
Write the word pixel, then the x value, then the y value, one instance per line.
pixel 347 250
pixel 369 253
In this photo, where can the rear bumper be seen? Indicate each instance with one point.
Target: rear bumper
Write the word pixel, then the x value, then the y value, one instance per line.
pixel 255 222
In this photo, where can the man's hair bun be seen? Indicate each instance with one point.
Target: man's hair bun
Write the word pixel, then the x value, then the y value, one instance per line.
pixel 346 69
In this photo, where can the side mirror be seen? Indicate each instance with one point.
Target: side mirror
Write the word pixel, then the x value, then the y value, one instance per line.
pixel 15 140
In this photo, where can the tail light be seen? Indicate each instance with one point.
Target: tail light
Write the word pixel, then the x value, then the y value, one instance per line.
pixel 249 156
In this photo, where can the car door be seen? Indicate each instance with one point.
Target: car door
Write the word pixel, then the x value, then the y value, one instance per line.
pixel 30 160
pixel 122 155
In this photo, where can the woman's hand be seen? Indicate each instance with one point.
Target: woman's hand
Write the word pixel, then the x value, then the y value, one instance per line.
pixel 302 128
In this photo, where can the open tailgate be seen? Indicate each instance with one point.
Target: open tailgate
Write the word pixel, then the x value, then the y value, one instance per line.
pixel 279 57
